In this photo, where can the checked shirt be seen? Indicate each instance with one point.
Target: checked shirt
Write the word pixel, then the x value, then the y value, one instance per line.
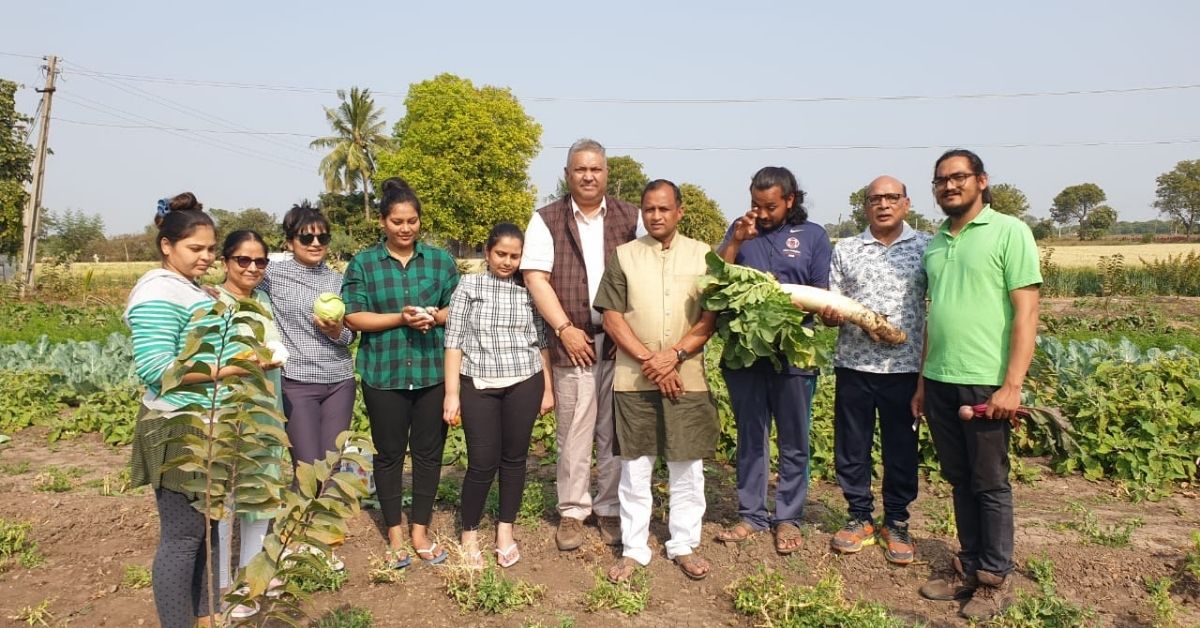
pixel 400 358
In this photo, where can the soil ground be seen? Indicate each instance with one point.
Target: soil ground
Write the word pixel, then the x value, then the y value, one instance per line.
pixel 88 539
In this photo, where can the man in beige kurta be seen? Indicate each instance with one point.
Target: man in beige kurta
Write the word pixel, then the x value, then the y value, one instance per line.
pixel 651 306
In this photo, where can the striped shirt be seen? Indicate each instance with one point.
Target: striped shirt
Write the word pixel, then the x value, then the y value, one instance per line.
pixel 313 357
pixel 161 313
pixel 494 323
pixel 400 358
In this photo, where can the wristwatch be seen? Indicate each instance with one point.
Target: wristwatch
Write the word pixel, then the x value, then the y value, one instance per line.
pixel 561 328
pixel 681 355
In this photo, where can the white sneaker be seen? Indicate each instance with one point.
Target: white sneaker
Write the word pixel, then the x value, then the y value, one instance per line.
pixel 243 611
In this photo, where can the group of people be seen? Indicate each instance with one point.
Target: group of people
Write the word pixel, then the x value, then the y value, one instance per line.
pixel 594 311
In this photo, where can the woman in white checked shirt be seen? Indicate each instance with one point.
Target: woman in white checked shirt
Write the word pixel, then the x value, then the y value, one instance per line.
pixel 498 378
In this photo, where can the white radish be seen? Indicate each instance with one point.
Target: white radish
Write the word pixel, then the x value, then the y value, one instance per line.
pixel 815 300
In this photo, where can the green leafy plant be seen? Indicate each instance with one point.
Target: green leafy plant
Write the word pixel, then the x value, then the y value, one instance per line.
pixel 39 615
pixel 488 591
pixel 54 480
pixel 1158 591
pixel 941 519
pixel 755 319
pixel 1191 562
pixel 318 575
pixel 135 577
pixel 1115 535
pixel 769 598
pixel 628 598
pixel 17 544
pixel 15 468
pixel 346 617
pixel 1045 607
pixel 534 504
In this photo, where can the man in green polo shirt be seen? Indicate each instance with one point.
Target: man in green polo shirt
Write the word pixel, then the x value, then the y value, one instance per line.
pixel 983 315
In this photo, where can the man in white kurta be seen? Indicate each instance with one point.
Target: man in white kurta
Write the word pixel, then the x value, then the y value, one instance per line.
pixel 651 305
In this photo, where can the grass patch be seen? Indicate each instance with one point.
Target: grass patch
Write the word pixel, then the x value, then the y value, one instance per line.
pixel 381 571
pixel 534 503
pixel 1115 535
pixel 488 591
pixel 346 617
pixel 941 519
pixel 628 598
pixel 15 468
pixel 1191 562
pixel 39 615
pixel 1044 608
pixel 771 600
pixel 55 481
pixel 135 577
pixel 16 545
pixel 316 575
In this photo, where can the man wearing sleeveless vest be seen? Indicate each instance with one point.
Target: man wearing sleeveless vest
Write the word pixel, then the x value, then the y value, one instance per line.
pixel 651 304
pixel 566 245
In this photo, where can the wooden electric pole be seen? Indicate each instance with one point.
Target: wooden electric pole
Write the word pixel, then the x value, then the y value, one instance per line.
pixel 33 209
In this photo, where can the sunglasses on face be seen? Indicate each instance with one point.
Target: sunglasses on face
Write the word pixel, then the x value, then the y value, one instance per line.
pixel 244 261
pixel 307 238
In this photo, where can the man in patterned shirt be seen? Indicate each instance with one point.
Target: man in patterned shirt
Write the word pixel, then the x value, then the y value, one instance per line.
pixel 880 268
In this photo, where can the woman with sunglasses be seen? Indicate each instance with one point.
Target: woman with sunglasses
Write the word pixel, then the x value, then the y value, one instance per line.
pixel 397 295
pixel 245 257
pixel 318 377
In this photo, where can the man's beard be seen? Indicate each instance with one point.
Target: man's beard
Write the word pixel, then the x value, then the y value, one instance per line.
pixel 955 211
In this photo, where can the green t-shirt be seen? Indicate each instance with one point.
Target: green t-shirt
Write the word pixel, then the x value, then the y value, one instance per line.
pixel 970 314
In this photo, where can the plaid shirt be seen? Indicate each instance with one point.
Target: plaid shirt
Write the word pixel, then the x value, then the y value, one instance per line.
pixel 495 324
pixel 400 358
pixel 312 357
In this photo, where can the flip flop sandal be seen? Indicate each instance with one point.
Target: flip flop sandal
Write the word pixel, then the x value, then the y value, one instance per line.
pixel 436 556
pixel 739 533
pixel 785 532
pixel 397 563
pixel 473 560
pixel 688 561
pixel 627 567
pixel 501 553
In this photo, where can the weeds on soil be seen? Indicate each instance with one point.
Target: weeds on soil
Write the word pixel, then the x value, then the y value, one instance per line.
pixel 346 617
pixel 39 615
pixel 488 591
pixel 1191 562
pixel 564 621
pixel 53 481
pixel 381 571
pixel 1045 608
pixel 15 468
pixel 1158 591
pixel 1115 535
pixel 771 600
pixel 628 598
pixel 318 575
pixel 16 544
pixel 941 520
pixel 136 577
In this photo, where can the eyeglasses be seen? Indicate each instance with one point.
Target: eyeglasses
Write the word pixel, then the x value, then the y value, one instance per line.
pixel 307 238
pixel 244 261
pixel 878 199
pixel 958 178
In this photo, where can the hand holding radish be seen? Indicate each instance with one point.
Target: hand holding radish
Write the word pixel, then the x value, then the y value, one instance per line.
pixel 832 317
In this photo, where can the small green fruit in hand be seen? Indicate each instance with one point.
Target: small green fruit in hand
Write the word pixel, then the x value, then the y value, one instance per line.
pixel 329 306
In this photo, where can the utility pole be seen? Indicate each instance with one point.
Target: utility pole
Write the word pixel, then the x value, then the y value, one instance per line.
pixel 33 209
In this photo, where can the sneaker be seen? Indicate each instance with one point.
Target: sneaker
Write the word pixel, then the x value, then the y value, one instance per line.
pixel 991 597
pixel 898 546
pixel 956 586
pixel 569 535
pixel 853 537
pixel 610 529
pixel 243 611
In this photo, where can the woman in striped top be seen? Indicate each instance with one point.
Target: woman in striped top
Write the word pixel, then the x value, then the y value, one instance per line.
pixel 498 377
pixel 160 316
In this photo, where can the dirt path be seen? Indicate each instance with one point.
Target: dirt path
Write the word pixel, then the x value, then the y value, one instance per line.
pixel 88 540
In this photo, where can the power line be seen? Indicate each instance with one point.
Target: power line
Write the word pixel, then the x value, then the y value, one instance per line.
pixel 183 129
pixel 22 56
pixel 676 101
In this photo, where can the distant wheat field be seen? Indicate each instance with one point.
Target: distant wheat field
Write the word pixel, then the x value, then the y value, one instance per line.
pixel 1089 255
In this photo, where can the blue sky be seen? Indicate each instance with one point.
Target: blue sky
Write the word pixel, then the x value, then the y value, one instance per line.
pixel 628 50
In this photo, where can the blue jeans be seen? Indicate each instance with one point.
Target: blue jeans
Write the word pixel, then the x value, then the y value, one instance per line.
pixel 757 394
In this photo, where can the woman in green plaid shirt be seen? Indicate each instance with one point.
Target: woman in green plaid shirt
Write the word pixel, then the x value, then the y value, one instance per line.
pixel 397 295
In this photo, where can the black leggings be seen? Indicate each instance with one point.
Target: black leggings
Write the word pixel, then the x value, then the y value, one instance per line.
pixel 403 420
pixel 180 590
pixel 497 422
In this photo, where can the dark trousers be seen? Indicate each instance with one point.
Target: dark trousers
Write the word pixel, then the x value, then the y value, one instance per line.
pixel 404 421
pixel 860 395
pixel 974 459
pixel 498 423
pixel 180 586
pixel 316 414
pixel 757 394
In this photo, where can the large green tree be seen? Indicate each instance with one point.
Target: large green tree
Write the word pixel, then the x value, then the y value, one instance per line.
pixel 72 233
pixel 358 135
pixel 254 219
pixel 1073 204
pixel 703 219
pixel 16 159
pixel 1009 199
pixel 1097 223
pixel 858 209
pixel 1179 194
pixel 466 151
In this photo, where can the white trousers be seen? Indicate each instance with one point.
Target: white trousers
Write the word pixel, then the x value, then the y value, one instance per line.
pixel 253 531
pixel 637 501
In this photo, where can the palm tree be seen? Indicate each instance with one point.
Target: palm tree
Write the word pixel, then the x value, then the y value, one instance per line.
pixel 358 129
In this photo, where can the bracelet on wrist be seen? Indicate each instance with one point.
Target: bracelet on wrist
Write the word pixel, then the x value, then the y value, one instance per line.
pixel 561 328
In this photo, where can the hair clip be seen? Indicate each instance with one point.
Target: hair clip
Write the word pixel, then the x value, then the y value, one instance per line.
pixel 164 206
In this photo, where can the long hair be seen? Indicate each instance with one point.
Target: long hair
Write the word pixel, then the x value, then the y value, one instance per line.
pixel 772 176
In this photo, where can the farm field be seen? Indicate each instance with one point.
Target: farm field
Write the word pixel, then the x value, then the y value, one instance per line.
pixel 1073 255
pixel 1121 546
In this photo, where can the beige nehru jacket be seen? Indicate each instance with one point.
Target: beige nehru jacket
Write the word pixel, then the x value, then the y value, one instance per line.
pixel 662 302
